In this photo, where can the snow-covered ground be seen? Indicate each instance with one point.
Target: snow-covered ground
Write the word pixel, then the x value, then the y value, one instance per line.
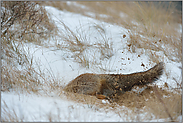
pixel 33 107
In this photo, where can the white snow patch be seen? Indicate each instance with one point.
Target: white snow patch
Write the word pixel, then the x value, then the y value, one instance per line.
pixel 31 107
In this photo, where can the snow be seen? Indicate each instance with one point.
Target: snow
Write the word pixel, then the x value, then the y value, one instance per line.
pixel 33 107
pixel 105 101
pixel 91 14
pixel 104 16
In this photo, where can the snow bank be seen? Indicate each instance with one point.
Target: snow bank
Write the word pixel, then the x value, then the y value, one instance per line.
pixel 31 107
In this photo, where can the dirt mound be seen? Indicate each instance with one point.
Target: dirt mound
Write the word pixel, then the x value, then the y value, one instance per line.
pixel 161 103
pixel 157 101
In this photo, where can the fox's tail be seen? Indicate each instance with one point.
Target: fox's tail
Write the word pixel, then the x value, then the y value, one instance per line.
pixel 142 78
pixel 154 73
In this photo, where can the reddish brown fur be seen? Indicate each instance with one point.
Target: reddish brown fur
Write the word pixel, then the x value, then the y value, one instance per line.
pixel 110 85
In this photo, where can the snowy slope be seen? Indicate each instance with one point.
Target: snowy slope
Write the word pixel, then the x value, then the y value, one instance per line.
pixel 41 109
pixel 34 108
pixel 31 107
pixel 121 61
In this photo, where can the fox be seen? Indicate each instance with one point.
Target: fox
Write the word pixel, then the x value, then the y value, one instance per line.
pixel 107 86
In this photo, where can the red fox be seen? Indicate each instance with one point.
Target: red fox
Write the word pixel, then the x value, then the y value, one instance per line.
pixel 106 86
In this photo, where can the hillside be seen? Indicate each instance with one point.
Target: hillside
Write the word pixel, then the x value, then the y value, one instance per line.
pixel 83 39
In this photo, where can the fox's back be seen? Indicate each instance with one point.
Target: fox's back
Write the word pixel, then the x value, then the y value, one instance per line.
pixel 112 84
pixel 91 84
pixel 87 83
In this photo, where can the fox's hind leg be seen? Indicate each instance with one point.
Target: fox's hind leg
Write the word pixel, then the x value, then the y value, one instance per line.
pixel 102 87
pixel 101 96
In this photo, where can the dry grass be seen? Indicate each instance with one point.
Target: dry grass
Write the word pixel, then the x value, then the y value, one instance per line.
pixel 153 28
pixel 81 49
pixel 22 22
pixel 152 25
pixel 153 101
pixel 144 106
pixel 9 114
pixel 156 23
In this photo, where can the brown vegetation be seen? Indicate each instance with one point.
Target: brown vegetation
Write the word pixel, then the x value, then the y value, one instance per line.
pixel 151 27
pixel 21 22
pixel 139 102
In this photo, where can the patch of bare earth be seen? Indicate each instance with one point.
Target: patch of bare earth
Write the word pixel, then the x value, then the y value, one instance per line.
pixel 157 101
